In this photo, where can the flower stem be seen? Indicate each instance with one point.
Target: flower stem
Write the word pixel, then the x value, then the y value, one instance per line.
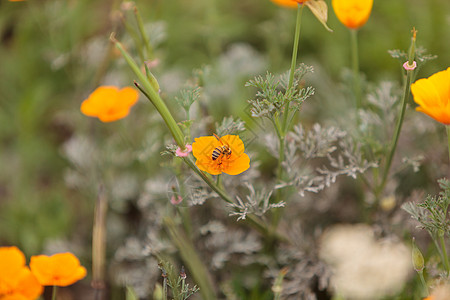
pixel 424 284
pixel 444 253
pixel 55 289
pixel 153 96
pixel 255 221
pixel 293 65
pixel 355 67
pixel 140 23
pixel 398 128
pixel 192 259
pixel 447 128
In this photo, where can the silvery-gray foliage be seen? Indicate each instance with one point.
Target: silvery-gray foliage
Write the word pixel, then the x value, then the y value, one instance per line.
pixel 257 203
pixel 230 125
pixel 342 156
pixel 273 95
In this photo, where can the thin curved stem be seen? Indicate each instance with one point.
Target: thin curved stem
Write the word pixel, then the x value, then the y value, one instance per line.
pixel 447 128
pixel 355 67
pixel 398 128
pixel 293 64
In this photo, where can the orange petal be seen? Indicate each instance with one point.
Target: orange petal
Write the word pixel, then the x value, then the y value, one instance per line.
pixel 61 269
pixel 285 3
pixel 432 94
pixel 241 164
pixel 235 143
pixel 209 166
pixel 28 285
pixel 128 96
pixel 113 115
pixel 12 261
pixel 203 147
pixel 108 103
pixel 100 100
pixel 352 13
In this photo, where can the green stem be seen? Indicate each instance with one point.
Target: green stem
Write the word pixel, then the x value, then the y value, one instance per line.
pixel 218 181
pixel 153 96
pixel 191 258
pixel 424 284
pixel 444 253
pixel 147 45
pixel 255 221
pixel 55 289
pixel 208 180
pixel 447 128
pixel 355 67
pixel 293 64
pixel 398 128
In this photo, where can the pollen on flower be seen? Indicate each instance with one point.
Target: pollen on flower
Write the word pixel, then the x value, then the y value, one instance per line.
pixel 220 155
pixel 109 104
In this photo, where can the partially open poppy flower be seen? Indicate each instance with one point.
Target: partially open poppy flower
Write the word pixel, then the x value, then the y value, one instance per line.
pixel 61 269
pixel 109 104
pixel 432 94
pixel 288 3
pixel 216 155
pixel 16 280
pixel 352 13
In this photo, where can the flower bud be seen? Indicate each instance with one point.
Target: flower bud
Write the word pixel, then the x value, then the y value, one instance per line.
pixel 417 258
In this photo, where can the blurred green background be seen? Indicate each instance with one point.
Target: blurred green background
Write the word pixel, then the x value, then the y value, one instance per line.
pixel 54 53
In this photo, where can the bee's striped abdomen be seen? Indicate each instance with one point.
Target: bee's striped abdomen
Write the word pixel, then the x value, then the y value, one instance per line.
pixel 216 153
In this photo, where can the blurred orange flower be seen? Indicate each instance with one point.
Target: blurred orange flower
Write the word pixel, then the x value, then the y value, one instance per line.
pixel 61 269
pixel 16 280
pixel 15 0
pixel 432 94
pixel 216 155
pixel 288 3
pixel 109 104
pixel 352 13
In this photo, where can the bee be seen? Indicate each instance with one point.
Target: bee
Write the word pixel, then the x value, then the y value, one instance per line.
pixel 221 150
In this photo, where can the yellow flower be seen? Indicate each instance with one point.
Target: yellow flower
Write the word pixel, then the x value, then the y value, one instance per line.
pixel 288 3
pixel 352 13
pixel 109 104
pixel 61 269
pixel 432 94
pixel 232 163
pixel 16 280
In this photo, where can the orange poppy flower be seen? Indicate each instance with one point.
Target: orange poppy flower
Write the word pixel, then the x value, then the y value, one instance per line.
pixel 15 1
pixel 352 13
pixel 288 3
pixel 432 94
pixel 61 269
pixel 216 155
pixel 16 280
pixel 109 104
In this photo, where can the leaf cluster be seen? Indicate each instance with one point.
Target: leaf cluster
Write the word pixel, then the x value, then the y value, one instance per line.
pixel 432 213
pixel 273 94
pixel 258 203
pixel 180 289
pixel 331 149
